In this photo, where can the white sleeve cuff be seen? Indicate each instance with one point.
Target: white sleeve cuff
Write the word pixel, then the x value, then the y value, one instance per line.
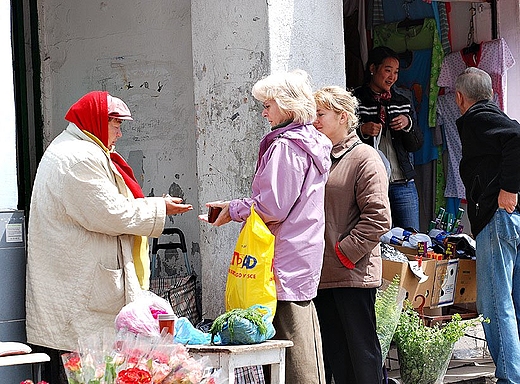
pixel 410 124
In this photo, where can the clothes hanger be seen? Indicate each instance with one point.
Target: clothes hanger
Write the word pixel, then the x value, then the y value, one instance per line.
pixel 408 22
pixel 471 47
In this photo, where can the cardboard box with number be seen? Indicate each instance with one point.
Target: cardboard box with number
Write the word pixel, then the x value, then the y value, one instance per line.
pixel 419 294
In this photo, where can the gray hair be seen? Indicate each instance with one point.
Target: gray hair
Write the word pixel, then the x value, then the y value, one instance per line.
pixel 475 84
pixel 292 92
pixel 339 100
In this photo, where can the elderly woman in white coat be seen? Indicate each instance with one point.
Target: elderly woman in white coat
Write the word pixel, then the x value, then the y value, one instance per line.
pixel 88 222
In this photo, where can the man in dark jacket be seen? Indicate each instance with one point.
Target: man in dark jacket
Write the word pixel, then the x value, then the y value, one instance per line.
pixel 490 171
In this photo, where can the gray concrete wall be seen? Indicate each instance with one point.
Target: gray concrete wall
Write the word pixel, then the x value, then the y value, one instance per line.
pixel 308 34
pixel 230 53
pixel 140 52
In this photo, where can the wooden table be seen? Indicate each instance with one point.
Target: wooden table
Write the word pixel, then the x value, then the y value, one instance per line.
pixel 229 357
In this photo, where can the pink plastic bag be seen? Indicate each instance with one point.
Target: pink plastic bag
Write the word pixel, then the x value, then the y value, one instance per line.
pixel 140 316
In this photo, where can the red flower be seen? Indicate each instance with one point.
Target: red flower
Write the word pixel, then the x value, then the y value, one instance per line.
pixel 73 364
pixel 32 382
pixel 134 376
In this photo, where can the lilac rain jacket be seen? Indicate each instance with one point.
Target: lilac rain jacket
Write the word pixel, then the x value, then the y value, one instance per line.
pixel 288 193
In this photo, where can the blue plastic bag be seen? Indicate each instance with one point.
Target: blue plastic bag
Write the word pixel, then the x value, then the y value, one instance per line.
pixel 245 332
pixel 186 333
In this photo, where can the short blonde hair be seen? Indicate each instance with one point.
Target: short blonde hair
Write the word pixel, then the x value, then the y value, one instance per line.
pixel 292 92
pixel 339 100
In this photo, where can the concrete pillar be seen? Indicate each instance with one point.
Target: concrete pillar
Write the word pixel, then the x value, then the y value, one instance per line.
pixel 235 44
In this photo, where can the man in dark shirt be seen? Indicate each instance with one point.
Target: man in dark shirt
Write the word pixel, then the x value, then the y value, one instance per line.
pixel 490 171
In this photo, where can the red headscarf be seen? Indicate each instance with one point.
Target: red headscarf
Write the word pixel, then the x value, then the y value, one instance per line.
pixel 90 113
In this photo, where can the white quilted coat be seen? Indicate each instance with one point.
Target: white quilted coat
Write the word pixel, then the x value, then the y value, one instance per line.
pixel 80 271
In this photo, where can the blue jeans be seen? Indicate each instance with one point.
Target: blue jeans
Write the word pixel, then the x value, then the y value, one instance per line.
pixel 404 203
pixel 498 292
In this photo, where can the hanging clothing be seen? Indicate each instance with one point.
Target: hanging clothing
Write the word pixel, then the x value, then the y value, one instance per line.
pixel 415 76
pixel 375 12
pixel 397 10
pixel 354 65
pixel 493 56
pixel 447 114
pixel 443 26
pixel 414 38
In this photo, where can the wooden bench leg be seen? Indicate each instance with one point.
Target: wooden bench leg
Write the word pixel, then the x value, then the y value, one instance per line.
pixel 227 366
pixel 278 369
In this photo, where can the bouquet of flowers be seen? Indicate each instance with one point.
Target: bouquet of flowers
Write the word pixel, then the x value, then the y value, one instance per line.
pixel 135 359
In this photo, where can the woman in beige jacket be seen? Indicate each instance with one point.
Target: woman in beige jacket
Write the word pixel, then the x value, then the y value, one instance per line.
pixel 357 213
pixel 87 256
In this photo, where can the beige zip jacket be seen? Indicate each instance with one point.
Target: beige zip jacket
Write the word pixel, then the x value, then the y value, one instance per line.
pixel 80 271
pixel 357 213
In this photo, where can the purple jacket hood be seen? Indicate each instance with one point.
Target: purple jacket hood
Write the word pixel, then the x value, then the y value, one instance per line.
pixel 306 137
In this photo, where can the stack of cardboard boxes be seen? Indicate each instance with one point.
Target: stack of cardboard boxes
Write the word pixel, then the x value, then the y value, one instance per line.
pixel 451 281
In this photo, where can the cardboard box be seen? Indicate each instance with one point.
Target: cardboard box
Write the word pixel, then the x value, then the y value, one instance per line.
pixel 466 286
pixel 444 283
pixel 415 291
pixel 450 281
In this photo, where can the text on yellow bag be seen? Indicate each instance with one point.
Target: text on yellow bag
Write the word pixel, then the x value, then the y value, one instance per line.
pixel 250 277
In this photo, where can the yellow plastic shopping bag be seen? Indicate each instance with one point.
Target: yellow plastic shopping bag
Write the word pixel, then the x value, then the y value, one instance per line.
pixel 250 278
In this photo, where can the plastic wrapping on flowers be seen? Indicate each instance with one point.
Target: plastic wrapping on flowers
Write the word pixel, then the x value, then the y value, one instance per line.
pixel 128 358
pixel 424 352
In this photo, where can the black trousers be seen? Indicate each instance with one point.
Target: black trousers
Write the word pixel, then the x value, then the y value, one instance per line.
pixel 351 349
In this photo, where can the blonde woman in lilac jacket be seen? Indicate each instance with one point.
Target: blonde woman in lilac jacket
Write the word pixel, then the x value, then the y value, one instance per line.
pixel 288 193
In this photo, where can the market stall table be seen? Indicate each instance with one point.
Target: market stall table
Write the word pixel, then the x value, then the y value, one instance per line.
pixel 229 357
pixel 35 359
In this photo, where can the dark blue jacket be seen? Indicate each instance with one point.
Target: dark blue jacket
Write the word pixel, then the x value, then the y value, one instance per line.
pixel 490 159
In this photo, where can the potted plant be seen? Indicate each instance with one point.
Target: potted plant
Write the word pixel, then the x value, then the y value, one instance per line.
pixel 425 352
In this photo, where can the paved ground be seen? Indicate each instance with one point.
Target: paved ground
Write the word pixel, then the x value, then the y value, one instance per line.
pixel 475 370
